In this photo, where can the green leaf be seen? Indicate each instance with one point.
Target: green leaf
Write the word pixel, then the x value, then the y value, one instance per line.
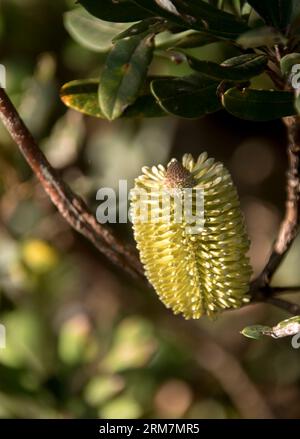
pixel 275 13
pixel 262 36
pixel 82 96
pixel 149 25
pixel 286 328
pixel 239 68
pixel 123 11
pixel 287 63
pixel 190 96
pixel 124 73
pixel 255 331
pixel 258 105
pixel 194 39
pixel 198 15
pixel 91 32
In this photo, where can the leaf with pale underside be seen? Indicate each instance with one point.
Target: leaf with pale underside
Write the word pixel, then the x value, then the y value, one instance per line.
pixel 91 32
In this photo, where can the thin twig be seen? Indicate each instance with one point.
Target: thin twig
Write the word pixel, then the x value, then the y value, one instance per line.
pixel 70 205
pixel 290 224
pixel 292 308
pixel 285 290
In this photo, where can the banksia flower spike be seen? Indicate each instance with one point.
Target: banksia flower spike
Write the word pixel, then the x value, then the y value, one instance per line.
pixel 197 265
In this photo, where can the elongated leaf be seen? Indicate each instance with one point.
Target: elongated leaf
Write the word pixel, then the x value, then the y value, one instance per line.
pixel 286 328
pixel 256 331
pixel 194 39
pixel 91 32
pixel 149 25
pixel 274 12
pixel 259 105
pixel 124 73
pixel 262 36
pixel 82 95
pixel 197 15
pixel 239 68
pixel 190 97
pixel 186 40
pixel 115 11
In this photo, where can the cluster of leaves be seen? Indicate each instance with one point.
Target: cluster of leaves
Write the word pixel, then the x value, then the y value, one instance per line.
pixel 264 35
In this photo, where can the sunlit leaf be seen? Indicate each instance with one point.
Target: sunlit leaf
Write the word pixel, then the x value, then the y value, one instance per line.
pixel 256 331
pixel 82 95
pixel 91 32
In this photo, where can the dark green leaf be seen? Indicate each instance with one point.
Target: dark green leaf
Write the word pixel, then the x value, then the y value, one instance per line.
pixel 198 15
pixel 190 97
pixel 239 68
pixel 124 73
pixel 262 36
pixel 274 12
pixel 82 95
pixel 91 32
pixel 258 105
pixel 149 25
pixel 123 11
pixel 194 39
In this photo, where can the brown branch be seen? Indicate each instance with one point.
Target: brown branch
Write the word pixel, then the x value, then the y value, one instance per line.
pixel 70 205
pixel 292 308
pixel 285 290
pixel 261 289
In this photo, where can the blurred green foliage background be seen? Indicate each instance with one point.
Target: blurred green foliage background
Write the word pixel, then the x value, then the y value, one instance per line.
pixel 81 341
